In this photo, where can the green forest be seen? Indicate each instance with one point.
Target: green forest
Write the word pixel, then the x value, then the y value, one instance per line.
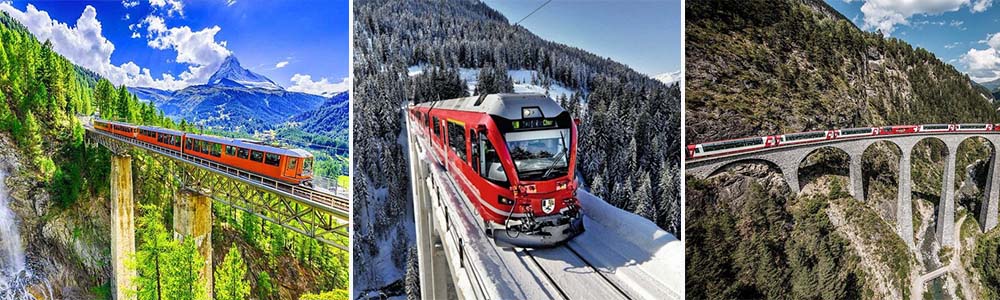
pixel 42 94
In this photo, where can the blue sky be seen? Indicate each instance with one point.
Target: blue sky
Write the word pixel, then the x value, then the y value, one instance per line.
pixel 301 45
pixel 959 32
pixel 645 35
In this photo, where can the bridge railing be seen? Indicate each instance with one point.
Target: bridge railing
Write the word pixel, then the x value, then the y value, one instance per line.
pixel 335 203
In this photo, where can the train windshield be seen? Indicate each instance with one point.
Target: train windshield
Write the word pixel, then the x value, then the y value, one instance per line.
pixel 540 154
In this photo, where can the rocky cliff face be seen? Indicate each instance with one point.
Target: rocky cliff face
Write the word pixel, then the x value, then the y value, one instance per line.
pixel 767 67
pixel 66 250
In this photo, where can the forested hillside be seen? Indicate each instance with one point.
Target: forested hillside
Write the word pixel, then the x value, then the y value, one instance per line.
pixel 59 191
pixel 629 139
pixel 769 67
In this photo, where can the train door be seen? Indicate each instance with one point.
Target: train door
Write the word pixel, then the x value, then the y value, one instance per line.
pixel 291 166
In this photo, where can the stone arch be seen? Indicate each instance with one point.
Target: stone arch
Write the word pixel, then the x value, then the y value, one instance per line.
pixel 973 160
pixel 824 160
pixel 720 168
pixel 929 159
pixel 879 183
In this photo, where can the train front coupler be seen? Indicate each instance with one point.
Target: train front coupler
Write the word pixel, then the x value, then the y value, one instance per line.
pixel 533 231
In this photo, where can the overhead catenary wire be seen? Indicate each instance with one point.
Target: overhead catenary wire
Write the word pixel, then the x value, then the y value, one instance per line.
pixel 532 12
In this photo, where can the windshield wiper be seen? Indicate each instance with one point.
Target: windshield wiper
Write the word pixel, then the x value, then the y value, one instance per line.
pixel 555 159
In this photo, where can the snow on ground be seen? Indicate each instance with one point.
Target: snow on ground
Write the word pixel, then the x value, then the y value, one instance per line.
pixel 521 77
pixel 630 249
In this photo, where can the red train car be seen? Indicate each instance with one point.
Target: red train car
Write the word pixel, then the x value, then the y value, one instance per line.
pixel 514 157
pixel 287 165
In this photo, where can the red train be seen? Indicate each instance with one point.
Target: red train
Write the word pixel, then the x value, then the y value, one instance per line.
pixel 756 143
pixel 287 165
pixel 514 157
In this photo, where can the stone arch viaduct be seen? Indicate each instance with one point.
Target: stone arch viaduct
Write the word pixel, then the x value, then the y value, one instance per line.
pixel 788 159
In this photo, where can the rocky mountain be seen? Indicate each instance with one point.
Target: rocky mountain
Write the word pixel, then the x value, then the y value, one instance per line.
pixel 230 73
pixel 669 77
pixel 330 119
pixel 991 85
pixel 784 66
pixel 233 99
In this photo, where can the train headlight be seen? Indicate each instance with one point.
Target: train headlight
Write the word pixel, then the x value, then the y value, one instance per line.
pixel 504 201
pixel 529 188
pixel 562 185
pixel 531 112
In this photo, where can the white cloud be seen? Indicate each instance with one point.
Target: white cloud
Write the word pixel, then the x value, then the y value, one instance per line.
pixel 323 87
pixel 197 48
pixel 130 4
pixel 885 15
pixel 983 65
pixel 84 44
pixel 171 6
pixel 281 64
pixel 230 2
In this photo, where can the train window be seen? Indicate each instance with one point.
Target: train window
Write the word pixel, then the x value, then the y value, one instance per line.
pixel 242 153
pixel 187 144
pixel 216 150
pixel 205 146
pixel 491 168
pixel 292 163
pixel 272 159
pixel 175 140
pixel 475 150
pixel 307 166
pixel 456 139
pixel 230 150
pixel 256 156
pixel 437 129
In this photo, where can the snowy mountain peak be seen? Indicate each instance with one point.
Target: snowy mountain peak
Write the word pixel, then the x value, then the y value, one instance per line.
pixel 231 73
pixel 669 77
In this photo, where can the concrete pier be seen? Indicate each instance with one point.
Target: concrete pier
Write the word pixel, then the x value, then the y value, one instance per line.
pixel 946 207
pixel 857 184
pixel 122 226
pixel 988 213
pixel 904 204
pixel 193 219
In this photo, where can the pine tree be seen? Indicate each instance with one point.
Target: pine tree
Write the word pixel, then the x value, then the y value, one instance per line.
pixel 151 253
pixel 265 287
pixel 598 188
pixel 643 198
pixel 229 278
pixel 181 279
pixel 412 275
pixel 670 201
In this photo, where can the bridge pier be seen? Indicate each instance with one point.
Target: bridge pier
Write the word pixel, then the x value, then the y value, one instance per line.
pixel 904 204
pixel 193 219
pixel 988 211
pixel 946 207
pixel 857 185
pixel 791 174
pixel 122 226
